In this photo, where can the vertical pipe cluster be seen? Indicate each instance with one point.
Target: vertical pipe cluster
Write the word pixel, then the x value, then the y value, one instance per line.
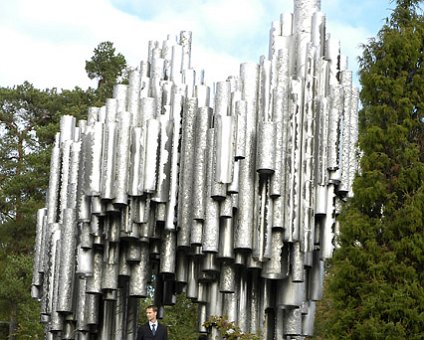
pixel 227 193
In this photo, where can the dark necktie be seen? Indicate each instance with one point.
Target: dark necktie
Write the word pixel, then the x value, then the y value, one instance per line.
pixel 154 329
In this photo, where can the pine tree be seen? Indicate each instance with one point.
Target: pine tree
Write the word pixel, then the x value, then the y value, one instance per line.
pixel 376 279
pixel 23 180
pixel 29 120
pixel 107 67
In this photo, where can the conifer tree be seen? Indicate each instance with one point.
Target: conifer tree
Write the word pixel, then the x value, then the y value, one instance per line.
pixel 376 278
pixel 107 66
pixel 29 120
pixel 23 180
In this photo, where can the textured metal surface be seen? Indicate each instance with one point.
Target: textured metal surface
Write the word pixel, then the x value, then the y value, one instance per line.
pixel 230 195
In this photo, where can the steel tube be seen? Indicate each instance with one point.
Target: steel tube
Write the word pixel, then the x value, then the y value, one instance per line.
pixel 150 157
pixel 140 273
pixel 171 213
pixel 121 161
pixel 186 171
pixel 231 194
pixel 203 118
pixel 67 262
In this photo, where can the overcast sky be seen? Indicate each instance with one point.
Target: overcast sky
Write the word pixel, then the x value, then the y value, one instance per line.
pixel 47 42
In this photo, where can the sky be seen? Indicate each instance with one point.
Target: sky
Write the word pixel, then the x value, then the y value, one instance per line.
pixel 46 42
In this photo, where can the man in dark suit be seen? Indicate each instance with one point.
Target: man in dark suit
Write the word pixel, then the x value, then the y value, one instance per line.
pixel 152 329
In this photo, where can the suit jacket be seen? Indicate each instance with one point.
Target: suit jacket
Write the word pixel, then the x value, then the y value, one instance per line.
pixel 145 333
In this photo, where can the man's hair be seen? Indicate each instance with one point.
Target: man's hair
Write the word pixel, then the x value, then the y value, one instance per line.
pixel 154 307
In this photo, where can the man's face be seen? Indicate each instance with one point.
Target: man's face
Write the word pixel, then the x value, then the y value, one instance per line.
pixel 151 314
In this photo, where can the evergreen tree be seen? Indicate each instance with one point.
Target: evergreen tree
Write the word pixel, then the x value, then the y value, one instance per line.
pixel 181 319
pixel 23 165
pixel 29 120
pixel 23 180
pixel 107 67
pixel 376 279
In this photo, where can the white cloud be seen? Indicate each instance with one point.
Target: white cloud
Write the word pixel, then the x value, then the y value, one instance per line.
pixel 47 41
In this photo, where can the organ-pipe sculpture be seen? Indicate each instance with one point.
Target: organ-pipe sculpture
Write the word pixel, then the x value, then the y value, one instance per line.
pixel 229 193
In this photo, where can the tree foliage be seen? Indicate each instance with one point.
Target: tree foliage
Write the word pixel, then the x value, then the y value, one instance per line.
pixel 23 169
pixel 15 299
pixel 106 66
pixel 228 330
pixel 375 288
pixel 29 121
pixel 181 319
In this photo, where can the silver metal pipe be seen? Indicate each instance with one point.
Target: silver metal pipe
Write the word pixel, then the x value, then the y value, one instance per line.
pixel 210 238
pixel 93 142
pixel 328 225
pixel 176 110
pixel 192 291
pixel 168 252
pixel 308 319
pixel 230 306
pixel 122 159
pixel 346 82
pixel 139 278
pixel 227 277
pixel 150 157
pixel 297 262
pixel 81 321
pixel 353 140
pixel 196 233
pixel 242 294
pixel 108 160
pixel 54 180
pixel 120 93
pixel 94 282
pixel 135 165
pixel 277 181
pixel 203 119
pixel 186 171
pixel 181 272
pixel 216 190
pixel 293 163
pixel 229 195
pixel 67 128
pixel 65 173
pixel 240 119
pixel 276 267
pixel 164 162
pixel 290 294
pixel 97 206
pixel 110 267
pixel 132 318
pixel 316 278
pixel 244 230
pixel 133 95
pixel 176 64
pixel 67 262
pixel 39 256
pixel 292 322
pixel 224 146
pixel 254 301
pixel 226 239
pixel 84 261
pixel 124 268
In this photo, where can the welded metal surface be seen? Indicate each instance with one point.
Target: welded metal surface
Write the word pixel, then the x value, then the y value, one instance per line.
pixel 230 195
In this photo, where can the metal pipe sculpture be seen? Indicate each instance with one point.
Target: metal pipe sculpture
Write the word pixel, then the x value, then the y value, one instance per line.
pixel 228 193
